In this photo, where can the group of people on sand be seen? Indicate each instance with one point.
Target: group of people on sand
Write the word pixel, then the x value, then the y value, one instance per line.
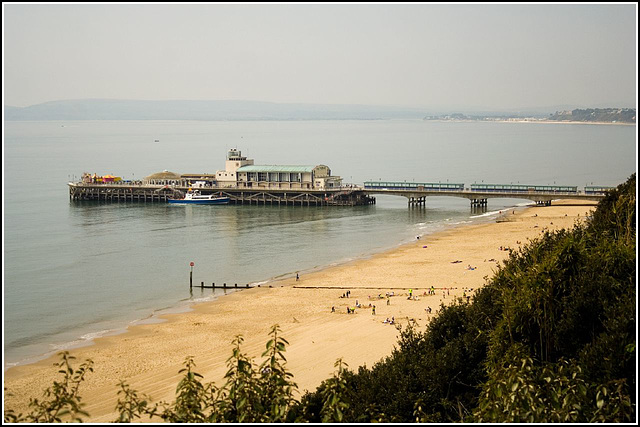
pixel 352 310
pixel 429 292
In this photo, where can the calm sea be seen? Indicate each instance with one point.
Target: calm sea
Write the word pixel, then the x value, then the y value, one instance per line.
pixel 77 270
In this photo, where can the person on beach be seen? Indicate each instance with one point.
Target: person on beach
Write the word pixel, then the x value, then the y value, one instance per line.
pixel 333 309
pixel 410 292
pixel 297 277
pixel 373 310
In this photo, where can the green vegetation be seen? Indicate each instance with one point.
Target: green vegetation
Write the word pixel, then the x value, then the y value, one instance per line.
pixel 550 338
pixel 60 402
pixel 605 115
pixel 601 115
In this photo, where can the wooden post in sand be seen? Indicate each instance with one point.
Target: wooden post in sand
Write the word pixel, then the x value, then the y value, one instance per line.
pixel 191 264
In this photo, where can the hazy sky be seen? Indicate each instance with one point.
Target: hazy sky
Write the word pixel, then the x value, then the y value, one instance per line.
pixel 433 56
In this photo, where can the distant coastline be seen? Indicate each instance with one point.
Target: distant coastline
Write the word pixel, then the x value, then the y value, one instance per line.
pixel 227 110
pixel 623 116
pixel 543 121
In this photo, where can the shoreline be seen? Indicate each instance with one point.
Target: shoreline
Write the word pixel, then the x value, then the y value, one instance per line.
pixel 157 316
pixel 149 356
pixel 567 122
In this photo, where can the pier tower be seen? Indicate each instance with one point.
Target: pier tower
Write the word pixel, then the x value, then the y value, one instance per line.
pixel 229 176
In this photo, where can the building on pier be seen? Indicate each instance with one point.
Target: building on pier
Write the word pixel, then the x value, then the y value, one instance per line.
pixel 228 178
pixel 241 172
pixel 163 178
pixel 287 177
pixel 199 180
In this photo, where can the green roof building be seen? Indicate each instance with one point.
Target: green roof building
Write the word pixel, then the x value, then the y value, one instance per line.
pixel 240 172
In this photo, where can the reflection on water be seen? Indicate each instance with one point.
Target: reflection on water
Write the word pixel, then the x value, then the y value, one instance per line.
pixel 478 209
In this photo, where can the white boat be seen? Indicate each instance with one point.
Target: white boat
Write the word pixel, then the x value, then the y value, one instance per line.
pixel 197 198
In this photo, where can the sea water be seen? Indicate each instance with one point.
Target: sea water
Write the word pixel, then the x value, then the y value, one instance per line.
pixel 74 271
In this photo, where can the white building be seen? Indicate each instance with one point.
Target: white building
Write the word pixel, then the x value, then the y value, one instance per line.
pixel 228 177
pixel 241 172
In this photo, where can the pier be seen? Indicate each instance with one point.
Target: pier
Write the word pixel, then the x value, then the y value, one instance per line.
pixel 245 183
pixel 478 194
pixel 149 193
pixel 343 196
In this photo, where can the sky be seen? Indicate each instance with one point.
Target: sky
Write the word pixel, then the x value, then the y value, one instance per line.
pixel 490 56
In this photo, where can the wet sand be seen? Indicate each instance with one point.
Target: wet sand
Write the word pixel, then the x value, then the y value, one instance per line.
pixel 149 356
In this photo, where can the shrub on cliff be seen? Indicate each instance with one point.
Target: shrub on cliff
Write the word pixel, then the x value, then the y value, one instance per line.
pixel 553 330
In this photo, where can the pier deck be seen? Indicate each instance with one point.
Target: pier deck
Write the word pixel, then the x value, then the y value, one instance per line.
pixel 416 197
pixel 257 196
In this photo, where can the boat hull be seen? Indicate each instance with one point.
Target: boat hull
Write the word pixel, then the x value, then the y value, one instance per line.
pixel 218 201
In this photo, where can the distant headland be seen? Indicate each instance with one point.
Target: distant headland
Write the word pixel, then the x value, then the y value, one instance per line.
pixel 204 110
pixel 589 115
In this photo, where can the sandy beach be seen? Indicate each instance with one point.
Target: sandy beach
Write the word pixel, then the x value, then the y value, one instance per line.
pixel 149 356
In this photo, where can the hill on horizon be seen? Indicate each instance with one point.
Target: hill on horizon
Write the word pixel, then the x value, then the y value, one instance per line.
pixel 114 109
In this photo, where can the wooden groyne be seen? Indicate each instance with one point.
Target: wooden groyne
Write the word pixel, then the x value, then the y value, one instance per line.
pixel 223 286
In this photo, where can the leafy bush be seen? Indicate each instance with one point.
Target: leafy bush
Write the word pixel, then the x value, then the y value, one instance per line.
pixel 62 401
